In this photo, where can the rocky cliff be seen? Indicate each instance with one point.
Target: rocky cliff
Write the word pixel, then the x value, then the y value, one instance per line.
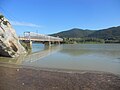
pixel 9 42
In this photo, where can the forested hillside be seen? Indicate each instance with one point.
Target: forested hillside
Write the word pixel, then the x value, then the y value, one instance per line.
pixel 74 33
pixel 109 35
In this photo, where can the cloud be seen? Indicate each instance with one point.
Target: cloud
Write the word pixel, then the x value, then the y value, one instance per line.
pixel 16 23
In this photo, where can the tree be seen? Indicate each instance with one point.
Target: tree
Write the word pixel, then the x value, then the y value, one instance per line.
pixel 1 16
pixel 2 19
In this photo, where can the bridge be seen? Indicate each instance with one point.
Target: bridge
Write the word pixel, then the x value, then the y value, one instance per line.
pixel 30 37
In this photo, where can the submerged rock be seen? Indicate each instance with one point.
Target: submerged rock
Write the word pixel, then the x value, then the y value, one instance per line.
pixel 9 42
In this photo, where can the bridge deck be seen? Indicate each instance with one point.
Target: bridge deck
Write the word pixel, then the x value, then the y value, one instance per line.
pixel 39 37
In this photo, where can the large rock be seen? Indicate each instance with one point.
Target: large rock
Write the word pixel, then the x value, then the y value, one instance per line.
pixel 9 42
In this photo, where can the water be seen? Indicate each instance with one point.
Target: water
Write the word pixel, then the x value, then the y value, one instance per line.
pixel 97 57
pixel 37 47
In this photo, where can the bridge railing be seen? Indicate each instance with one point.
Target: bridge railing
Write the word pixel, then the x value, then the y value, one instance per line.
pixel 39 37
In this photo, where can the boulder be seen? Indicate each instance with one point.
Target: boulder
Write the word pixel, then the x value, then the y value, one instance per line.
pixel 9 41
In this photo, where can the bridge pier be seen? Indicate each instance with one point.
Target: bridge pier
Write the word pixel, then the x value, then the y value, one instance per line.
pixel 28 43
pixel 47 43
pixel 57 42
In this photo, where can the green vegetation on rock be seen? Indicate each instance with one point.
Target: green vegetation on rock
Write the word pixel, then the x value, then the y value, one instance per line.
pixel 27 48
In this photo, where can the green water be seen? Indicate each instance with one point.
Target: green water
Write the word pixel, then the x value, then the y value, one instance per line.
pixel 97 57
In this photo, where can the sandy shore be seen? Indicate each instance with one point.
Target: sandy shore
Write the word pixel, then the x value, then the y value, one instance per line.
pixel 13 77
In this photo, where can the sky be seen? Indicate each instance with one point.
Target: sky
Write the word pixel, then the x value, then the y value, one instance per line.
pixel 52 16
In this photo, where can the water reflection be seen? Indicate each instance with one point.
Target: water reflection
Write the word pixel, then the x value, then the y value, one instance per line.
pixel 47 50
pixel 105 50
pixel 17 60
pixel 101 57
pixel 39 55
pixel 98 57
pixel 75 53
pixel 36 47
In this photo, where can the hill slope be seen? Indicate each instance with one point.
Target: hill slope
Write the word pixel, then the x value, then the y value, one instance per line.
pixel 110 33
pixel 74 33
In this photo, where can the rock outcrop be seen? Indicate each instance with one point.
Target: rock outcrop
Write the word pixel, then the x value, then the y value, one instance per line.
pixel 9 42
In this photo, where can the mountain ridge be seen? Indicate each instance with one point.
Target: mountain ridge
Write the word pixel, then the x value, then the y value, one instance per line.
pixel 108 33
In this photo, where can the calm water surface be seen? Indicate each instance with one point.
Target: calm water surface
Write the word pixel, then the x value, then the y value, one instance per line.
pixel 98 57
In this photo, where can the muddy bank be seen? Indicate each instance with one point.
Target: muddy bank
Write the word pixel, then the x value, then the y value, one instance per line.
pixel 22 78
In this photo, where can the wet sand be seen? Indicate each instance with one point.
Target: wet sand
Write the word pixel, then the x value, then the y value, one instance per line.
pixel 14 77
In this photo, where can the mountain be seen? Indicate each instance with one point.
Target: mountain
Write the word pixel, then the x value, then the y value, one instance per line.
pixel 74 33
pixel 109 33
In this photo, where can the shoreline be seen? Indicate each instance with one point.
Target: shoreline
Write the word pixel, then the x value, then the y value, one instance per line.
pixel 17 77
pixel 17 66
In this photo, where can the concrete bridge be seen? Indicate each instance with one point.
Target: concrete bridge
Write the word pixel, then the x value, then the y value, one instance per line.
pixel 30 37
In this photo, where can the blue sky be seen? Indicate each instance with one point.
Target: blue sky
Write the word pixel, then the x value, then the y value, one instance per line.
pixel 51 16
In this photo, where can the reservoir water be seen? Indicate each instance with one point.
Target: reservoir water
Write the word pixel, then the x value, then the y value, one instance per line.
pixel 96 57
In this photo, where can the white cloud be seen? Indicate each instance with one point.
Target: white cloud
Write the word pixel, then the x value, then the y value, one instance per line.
pixel 16 23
